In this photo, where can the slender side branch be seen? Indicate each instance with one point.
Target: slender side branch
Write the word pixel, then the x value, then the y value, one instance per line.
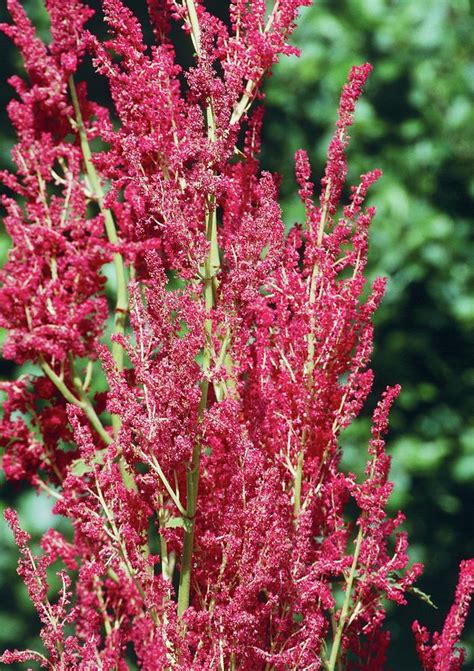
pixel 209 274
pixel 251 86
pixel 121 307
pixel 192 476
pixel 153 463
pixel 82 402
pixel 299 479
pixel 310 355
pixel 345 606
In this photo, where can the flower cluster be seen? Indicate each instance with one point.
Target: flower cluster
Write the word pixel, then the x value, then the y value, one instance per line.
pixel 442 655
pixel 213 525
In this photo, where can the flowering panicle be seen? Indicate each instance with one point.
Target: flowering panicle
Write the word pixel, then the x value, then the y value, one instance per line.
pixel 441 654
pixel 54 616
pixel 54 307
pixel 210 514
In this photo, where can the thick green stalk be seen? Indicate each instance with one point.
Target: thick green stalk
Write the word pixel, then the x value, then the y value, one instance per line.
pixel 345 606
pixel 310 356
pixel 192 475
pixel 298 481
pixel 209 273
pixel 121 306
pixel 192 484
pixel 82 402
pixel 194 25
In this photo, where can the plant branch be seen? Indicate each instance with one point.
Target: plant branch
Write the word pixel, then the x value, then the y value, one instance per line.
pixel 311 350
pixel 209 274
pixel 82 402
pixel 121 306
pixel 345 606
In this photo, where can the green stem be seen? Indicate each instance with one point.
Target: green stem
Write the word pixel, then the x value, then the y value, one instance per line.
pixel 209 273
pixel 251 87
pixel 194 25
pixel 244 103
pixel 345 606
pixel 173 495
pixel 298 483
pixel 311 352
pixel 121 306
pixel 211 267
pixel 164 559
pixel 192 484
pixel 82 402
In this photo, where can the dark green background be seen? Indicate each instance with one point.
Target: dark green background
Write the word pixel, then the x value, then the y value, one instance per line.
pixel 416 123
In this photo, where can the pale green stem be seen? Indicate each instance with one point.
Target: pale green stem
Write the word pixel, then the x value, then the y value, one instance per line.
pixel 194 24
pixel 192 476
pixel 173 495
pixel 121 306
pixel 310 356
pixel 244 103
pixel 298 482
pixel 211 268
pixel 333 660
pixel 167 560
pixel 164 558
pixel 102 607
pixel 82 402
pixel 192 484
pixel 345 606
pixel 250 88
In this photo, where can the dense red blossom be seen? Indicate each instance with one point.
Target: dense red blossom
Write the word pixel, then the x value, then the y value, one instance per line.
pixel 213 525
pixel 439 652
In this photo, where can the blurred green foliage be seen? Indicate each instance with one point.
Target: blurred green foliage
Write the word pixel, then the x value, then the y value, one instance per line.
pixel 416 123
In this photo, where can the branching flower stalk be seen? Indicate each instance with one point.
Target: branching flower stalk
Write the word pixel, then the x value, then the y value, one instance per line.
pixel 331 665
pixel 212 522
pixel 121 306
pixel 209 275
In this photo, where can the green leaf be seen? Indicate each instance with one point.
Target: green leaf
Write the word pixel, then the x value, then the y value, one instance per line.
pixel 422 595
pixel 175 522
pixel 80 468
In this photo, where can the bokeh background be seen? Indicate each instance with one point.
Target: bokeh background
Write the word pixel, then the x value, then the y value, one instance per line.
pixel 416 123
